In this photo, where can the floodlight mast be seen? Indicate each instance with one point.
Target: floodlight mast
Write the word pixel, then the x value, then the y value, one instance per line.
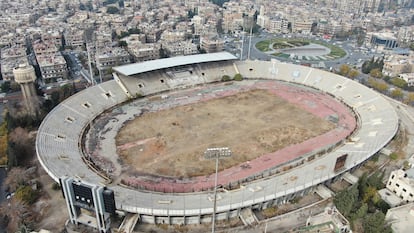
pixel 216 153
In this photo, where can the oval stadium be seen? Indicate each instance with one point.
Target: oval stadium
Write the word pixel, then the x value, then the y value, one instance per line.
pixel 146 135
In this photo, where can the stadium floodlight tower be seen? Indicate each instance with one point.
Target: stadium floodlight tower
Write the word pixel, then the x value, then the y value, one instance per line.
pixel 216 153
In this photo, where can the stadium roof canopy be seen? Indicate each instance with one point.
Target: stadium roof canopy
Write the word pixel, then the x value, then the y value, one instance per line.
pixel 146 66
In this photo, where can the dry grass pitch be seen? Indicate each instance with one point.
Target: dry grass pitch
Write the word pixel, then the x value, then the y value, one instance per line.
pixel 172 142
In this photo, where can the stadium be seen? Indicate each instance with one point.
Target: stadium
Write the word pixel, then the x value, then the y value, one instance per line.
pixel 78 138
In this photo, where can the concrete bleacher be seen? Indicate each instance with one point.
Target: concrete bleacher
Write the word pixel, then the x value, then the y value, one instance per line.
pixel 146 83
pixel 58 140
pixel 59 136
pixel 213 72
pixel 171 78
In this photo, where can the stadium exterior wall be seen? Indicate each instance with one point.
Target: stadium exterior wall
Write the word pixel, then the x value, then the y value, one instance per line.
pixel 378 123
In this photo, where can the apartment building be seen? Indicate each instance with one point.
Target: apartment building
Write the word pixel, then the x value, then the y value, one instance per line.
pixel 10 58
pixel 53 67
pixel 395 65
pixel 110 57
pixel 401 183
pixel 211 45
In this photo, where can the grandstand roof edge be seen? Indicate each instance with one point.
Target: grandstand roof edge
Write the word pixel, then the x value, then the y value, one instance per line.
pixel 146 66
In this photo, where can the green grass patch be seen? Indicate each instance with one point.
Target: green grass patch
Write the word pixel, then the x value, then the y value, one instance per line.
pixel 336 52
pixel 283 55
pixel 263 45
pixel 394 156
pixel 282 43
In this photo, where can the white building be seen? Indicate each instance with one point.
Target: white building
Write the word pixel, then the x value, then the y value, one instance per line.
pixel 408 78
pixel 401 218
pixel 402 184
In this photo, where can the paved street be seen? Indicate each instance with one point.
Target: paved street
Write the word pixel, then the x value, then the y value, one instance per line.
pixel 355 55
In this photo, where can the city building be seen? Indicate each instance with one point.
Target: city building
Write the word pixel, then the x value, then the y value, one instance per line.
pixel 401 183
pixel 53 67
pixel 395 65
pixel 181 48
pixel 408 78
pixel 405 35
pixel 401 218
pixel 211 45
pixel 74 39
pixel 10 58
pixel 385 40
pixel 302 26
pixel 110 57
pixel 144 52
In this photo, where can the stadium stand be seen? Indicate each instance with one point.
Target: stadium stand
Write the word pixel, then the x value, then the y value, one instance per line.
pixel 59 139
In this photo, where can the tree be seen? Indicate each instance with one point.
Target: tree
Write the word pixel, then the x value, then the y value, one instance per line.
pixel 238 77
pixel 367 66
pixel 409 99
pixel 112 10
pixel 353 73
pixel 375 223
pixel 191 13
pixel 17 213
pixel 346 200
pixel 3 143
pixel 219 2
pixel 122 43
pixel 15 178
pixel 225 78
pixel 399 82
pixel 5 86
pixel 375 73
pixel 26 194
pixel 397 93
pixel 20 147
pixel 344 69
pixel 382 87
pixel 164 53
pixel 377 85
pixel 361 212
pixel 369 194
pixel 412 44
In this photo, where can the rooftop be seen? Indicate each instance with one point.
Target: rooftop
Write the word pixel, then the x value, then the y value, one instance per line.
pixel 146 66
pixel 401 218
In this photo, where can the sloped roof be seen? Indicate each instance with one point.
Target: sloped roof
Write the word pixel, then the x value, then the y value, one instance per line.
pixel 146 66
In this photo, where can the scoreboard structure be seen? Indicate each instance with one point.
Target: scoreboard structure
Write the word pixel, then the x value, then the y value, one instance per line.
pixel 88 204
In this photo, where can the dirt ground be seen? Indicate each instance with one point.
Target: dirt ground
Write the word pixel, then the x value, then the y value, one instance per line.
pixel 171 142
pixel 51 205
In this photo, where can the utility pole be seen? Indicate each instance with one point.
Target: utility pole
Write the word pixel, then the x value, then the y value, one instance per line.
pixel 216 153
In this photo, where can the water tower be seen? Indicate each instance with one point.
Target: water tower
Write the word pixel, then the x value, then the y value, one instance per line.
pixel 25 75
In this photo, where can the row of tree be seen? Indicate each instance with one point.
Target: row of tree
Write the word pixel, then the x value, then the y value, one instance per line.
pixel 362 205
pixel 18 143
pixel 348 72
pixel 374 63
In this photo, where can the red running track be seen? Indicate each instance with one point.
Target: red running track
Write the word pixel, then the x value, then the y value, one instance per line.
pixel 317 103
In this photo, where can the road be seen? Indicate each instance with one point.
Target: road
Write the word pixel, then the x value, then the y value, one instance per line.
pixel 355 55
pixel 2 174
pixel 406 116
